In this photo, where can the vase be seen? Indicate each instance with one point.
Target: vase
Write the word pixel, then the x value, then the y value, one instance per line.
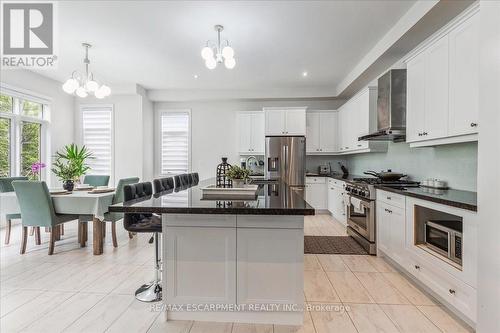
pixel 238 183
pixel 222 180
pixel 68 185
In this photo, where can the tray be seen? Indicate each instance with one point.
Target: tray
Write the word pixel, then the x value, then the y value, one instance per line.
pixel 101 190
pixel 247 192
pixel 59 192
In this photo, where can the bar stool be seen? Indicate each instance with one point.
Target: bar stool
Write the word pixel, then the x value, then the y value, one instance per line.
pixel 163 184
pixel 195 178
pixel 181 180
pixel 145 223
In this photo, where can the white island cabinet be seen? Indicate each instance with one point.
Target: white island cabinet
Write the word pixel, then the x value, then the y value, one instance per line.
pixel 239 261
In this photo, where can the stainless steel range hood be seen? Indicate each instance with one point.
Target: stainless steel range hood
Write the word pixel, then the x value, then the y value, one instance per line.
pixel 391 108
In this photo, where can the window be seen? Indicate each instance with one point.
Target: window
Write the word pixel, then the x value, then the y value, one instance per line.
pixel 174 142
pixel 97 136
pixel 23 130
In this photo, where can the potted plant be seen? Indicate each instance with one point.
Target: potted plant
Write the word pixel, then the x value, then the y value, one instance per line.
pixel 70 165
pixel 238 175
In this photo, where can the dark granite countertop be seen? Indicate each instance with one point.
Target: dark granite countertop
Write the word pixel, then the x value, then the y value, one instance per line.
pixel 272 199
pixel 455 198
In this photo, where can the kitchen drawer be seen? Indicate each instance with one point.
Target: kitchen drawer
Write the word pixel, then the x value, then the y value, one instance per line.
pixel 457 293
pixel 335 182
pixel 393 199
pixel 315 180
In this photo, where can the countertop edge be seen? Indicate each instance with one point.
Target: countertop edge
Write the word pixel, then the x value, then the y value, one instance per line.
pixel 201 211
pixel 457 204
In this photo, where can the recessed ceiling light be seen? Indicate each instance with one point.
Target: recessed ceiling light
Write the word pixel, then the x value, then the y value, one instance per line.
pixel 304 74
pixel 195 76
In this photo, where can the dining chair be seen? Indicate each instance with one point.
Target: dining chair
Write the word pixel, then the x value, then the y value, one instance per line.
pixel 108 217
pixel 96 180
pixel 37 210
pixel 145 223
pixel 6 186
pixel 163 184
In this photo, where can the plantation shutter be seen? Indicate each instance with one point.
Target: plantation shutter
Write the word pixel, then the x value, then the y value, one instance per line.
pixel 174 143
pixel 97 136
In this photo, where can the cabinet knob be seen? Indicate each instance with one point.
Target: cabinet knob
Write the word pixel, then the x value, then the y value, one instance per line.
pixel 425 133
pixel 359 145
pixel 417 267
pixel 419 134
pixel 473 124
pixel 452 291
pixel 389 198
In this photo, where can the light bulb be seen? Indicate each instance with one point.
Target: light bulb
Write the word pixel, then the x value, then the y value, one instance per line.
pixel 99 93
pixel 228 52
pixel 207 53
pixel 210 63
pixel 70 86
pixel 105 90
pixel 91 85
pixel 81 92
pixel 230 63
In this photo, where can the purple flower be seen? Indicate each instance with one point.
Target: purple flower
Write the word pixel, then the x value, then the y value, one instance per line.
pixel 36 167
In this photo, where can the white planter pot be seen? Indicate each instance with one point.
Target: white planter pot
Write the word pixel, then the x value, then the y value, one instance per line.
pixel 238 183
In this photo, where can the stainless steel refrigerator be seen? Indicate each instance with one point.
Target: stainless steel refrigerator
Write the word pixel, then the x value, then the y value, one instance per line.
pixel 286 159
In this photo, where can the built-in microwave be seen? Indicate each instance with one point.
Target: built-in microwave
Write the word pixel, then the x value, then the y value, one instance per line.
pixel 445 238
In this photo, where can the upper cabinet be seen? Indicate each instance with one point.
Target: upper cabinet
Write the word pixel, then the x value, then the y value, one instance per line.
pixel 321 132
pixel 442 86
pixel 285 121
pixel 358 117
pixel 251 132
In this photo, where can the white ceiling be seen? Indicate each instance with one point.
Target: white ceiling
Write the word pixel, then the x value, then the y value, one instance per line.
pixel 157 43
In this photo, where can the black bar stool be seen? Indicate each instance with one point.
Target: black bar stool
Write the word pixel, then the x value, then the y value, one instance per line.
pixel 145 223
pixel 163 184
pixel 182 180
pixel 195 178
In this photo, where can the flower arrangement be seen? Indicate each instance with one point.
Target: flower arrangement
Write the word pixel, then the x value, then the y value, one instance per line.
pixel 70 164
pixel 36 167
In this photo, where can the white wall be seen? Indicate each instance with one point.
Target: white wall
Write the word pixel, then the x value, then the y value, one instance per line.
pixel 148 138
pixel 128 133
pixel 61 114
pixel 489 170
pixel 215 131
pixel 457 163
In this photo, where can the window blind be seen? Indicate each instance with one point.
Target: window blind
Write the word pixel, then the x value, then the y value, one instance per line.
pixel 97 136
pixel 174 143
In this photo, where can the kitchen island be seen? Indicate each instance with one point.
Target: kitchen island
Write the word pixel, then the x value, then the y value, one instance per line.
pixel 231 261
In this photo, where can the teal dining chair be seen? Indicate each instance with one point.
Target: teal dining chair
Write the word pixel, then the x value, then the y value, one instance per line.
pixel 96 180
pixel 6 186
pixel 37 210
pixel 108 217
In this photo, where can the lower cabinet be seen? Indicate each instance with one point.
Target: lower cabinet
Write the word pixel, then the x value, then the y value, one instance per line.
pixel 207 256
pixel 316 192
pixel 391 231
pixel 270 255
pixel 336 203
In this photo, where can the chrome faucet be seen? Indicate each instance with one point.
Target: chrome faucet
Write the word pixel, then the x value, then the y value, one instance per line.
pixel 248 159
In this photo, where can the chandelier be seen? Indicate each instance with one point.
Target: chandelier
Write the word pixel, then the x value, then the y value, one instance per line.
pixel 84 84
pixel 218 52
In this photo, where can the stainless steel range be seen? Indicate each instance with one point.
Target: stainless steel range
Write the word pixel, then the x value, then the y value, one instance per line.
pixel 361 221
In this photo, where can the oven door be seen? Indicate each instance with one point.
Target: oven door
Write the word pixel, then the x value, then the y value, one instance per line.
pixel 361 219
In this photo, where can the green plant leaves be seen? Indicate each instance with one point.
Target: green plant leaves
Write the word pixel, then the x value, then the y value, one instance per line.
pixel 70 162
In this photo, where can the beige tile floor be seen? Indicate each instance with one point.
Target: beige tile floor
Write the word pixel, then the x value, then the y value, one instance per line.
pixel 74 291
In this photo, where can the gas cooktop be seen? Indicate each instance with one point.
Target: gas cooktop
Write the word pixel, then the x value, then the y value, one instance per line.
pixel 393 183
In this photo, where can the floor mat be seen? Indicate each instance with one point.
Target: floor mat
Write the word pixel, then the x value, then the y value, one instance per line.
pixel 332 245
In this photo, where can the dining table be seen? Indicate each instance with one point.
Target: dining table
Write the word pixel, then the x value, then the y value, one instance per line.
pixel 83 203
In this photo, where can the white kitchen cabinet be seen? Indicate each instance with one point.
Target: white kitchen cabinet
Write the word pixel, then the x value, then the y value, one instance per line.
pixel 391 231
pixel 270 255
pixel 251 132
pixel 316 192
pixel 436 90
pixel 442 85
pixel 212 275
pixel 464 77
pixel 336 203
pixel 321 132
pixel 358 117
pixel 285 121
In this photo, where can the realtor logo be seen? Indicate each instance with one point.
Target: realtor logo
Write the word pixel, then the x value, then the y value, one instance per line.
pixel 28 34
